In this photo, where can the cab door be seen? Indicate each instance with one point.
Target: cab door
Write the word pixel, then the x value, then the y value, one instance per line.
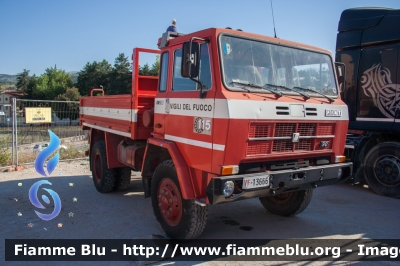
pixel 159 103
pixel 188 118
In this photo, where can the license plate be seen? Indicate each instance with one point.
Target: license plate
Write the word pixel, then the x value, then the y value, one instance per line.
pixel 255 182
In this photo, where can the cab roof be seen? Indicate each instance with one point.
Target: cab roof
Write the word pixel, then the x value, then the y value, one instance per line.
pixel 366 26
pixel 215 32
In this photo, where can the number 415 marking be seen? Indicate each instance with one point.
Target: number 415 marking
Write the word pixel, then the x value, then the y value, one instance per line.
pixel 202 125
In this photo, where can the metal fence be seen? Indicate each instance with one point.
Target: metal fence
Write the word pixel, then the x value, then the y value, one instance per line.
pixel 25 140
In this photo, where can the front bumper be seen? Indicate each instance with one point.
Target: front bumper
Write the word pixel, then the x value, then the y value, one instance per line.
pixel 280 182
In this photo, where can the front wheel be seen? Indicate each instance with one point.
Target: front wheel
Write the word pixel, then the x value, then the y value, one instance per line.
pixel 382 169
pixel 103 177
pixel 289 203
pixel 179 218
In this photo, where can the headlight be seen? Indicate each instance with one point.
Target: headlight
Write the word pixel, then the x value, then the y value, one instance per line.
pixel 228 188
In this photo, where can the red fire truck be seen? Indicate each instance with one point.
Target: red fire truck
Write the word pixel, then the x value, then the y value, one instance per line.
pixel 231 116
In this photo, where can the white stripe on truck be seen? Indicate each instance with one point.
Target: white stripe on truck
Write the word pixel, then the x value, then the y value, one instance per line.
pixel 202 144
pixel 111 113
pixel 117 132
pixel 247 109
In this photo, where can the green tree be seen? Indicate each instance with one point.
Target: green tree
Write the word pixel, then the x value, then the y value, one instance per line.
pixel 23 81
pixel 144 70
pixel 31 84
pixel 155 67
pixel 52 83
pixel 121 76
pixel 71 94
pixel 92 76
pixel 7 87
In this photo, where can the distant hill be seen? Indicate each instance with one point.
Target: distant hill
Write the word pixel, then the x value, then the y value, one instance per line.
pixel 12 79
pixel 8 79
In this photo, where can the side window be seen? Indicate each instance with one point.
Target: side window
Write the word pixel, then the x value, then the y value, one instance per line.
pixel 162 85
pixel 185 84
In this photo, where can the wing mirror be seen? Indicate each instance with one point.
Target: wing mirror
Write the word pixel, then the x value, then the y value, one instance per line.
pixel 190 59
pixel 190 63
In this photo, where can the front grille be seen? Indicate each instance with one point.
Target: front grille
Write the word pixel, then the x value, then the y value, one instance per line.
pixel 326 129
pixel 304 145
pixel 282 145
pixel 254 148
pixel 307 129
pixel 276 138
pixel 260 130
pixel 284 130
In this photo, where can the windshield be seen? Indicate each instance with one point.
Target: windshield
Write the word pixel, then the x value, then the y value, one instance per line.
pixel 264 64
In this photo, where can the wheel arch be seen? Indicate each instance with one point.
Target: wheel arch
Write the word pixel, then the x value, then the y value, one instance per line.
pixel 95 136
pixel 103 177
pixel 156 152
pixel 112 141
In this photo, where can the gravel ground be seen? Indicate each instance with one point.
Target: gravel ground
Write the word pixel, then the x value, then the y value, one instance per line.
pixel 335 212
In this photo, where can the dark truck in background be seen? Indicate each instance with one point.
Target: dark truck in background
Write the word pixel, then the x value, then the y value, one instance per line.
pixel 368 44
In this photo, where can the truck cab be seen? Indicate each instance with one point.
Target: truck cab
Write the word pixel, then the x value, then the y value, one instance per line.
pixel 368 43
pixel 234 115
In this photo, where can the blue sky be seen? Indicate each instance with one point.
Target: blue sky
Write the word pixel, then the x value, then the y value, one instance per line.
pixel 43 33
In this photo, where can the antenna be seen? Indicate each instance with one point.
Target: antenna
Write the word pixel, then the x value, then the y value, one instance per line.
pixel 273 19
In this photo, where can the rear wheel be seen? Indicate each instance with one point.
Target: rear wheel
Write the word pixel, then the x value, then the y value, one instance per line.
pixel 179 218
pixel 123 178
pixel 288 204
pixel 103 177
pixel 382 169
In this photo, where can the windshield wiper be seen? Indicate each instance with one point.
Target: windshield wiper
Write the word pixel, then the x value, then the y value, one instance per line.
pixel 258 87
pixel 305 95
pixel 317 92
pixel 243 88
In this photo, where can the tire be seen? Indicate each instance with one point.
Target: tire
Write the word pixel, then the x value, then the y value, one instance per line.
pixel 103 177
pixel 123 178
pixel 287 204
pixel 179 218
pixel 382 169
